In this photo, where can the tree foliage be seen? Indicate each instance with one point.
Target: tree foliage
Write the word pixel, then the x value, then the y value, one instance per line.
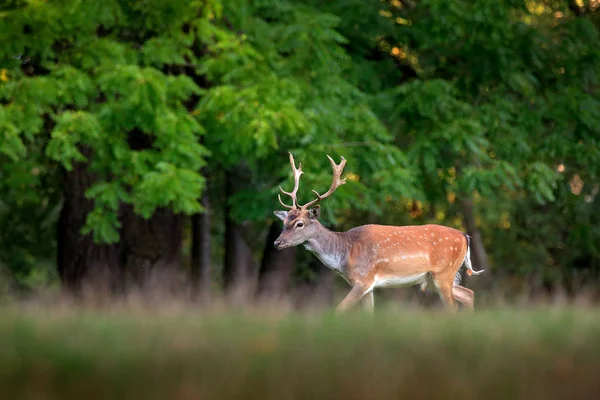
pixel 429 101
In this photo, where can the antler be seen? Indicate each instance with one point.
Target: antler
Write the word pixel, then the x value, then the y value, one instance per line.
pixel 337 182
pixel 292 194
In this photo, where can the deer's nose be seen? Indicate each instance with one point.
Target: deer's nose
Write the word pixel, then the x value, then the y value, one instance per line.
pixel 277 243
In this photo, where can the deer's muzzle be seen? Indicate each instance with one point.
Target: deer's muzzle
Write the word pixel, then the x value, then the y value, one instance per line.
pixel 280 244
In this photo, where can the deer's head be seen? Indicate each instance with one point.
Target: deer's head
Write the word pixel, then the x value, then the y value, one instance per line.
pixel 300 222
pixel 298 226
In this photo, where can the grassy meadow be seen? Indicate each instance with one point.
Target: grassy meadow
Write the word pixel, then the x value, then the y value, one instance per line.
pixel 186 353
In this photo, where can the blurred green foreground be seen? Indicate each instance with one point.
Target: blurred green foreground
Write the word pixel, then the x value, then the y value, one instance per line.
pixel 494 354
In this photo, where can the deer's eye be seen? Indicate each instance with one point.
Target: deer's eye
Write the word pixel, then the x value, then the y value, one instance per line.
pixel 300 224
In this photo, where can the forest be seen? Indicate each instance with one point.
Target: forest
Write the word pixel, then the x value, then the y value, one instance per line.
pixel 143 143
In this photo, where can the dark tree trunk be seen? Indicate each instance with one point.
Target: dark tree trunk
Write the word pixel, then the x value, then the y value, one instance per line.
pixel 147 257
pixel 151 250
pixel 201 255
pixel 82 264
pixel 239 267
pixel 478 253
pixel 276 268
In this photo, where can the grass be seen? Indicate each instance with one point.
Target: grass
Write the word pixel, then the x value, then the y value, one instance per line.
pixel 187 354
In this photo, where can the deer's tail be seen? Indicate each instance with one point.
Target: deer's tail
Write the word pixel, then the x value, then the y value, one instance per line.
pixel 467 261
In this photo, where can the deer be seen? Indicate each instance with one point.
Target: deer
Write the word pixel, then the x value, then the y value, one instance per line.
pixel 375 256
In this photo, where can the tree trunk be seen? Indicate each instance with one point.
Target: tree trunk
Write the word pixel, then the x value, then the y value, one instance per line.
pixel 147 257
pixel 478 253
pixel 238 267
pixel 201 255
pixel 83 265
pixel 151 250
pixel 276 268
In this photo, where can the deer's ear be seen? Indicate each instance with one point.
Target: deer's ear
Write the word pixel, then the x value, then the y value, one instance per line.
pixel 314 212
pixel 282 215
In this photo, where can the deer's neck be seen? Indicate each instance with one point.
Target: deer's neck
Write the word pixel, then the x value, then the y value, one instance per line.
pixel 332 248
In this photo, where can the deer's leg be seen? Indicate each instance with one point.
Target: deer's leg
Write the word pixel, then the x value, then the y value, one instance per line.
pixel 464 296
pixel 352 298
pixel 444 289
pixel 368 301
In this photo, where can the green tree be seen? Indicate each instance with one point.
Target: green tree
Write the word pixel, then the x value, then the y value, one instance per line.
pixel 121 119
pixel 100 89
pixel 277 73
pixel 502 96
pixel 120 95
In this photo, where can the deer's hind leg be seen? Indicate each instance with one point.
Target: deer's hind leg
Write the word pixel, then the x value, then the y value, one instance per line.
pixel 464 296
pixel 444 285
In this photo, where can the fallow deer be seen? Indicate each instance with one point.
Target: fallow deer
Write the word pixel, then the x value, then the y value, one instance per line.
pixel 372 256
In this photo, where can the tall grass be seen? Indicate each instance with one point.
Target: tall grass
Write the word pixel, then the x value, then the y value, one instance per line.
pixel 187 353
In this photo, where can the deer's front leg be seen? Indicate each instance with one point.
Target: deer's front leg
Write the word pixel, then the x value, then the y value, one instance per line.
pixel 357 293
pixel 368 302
